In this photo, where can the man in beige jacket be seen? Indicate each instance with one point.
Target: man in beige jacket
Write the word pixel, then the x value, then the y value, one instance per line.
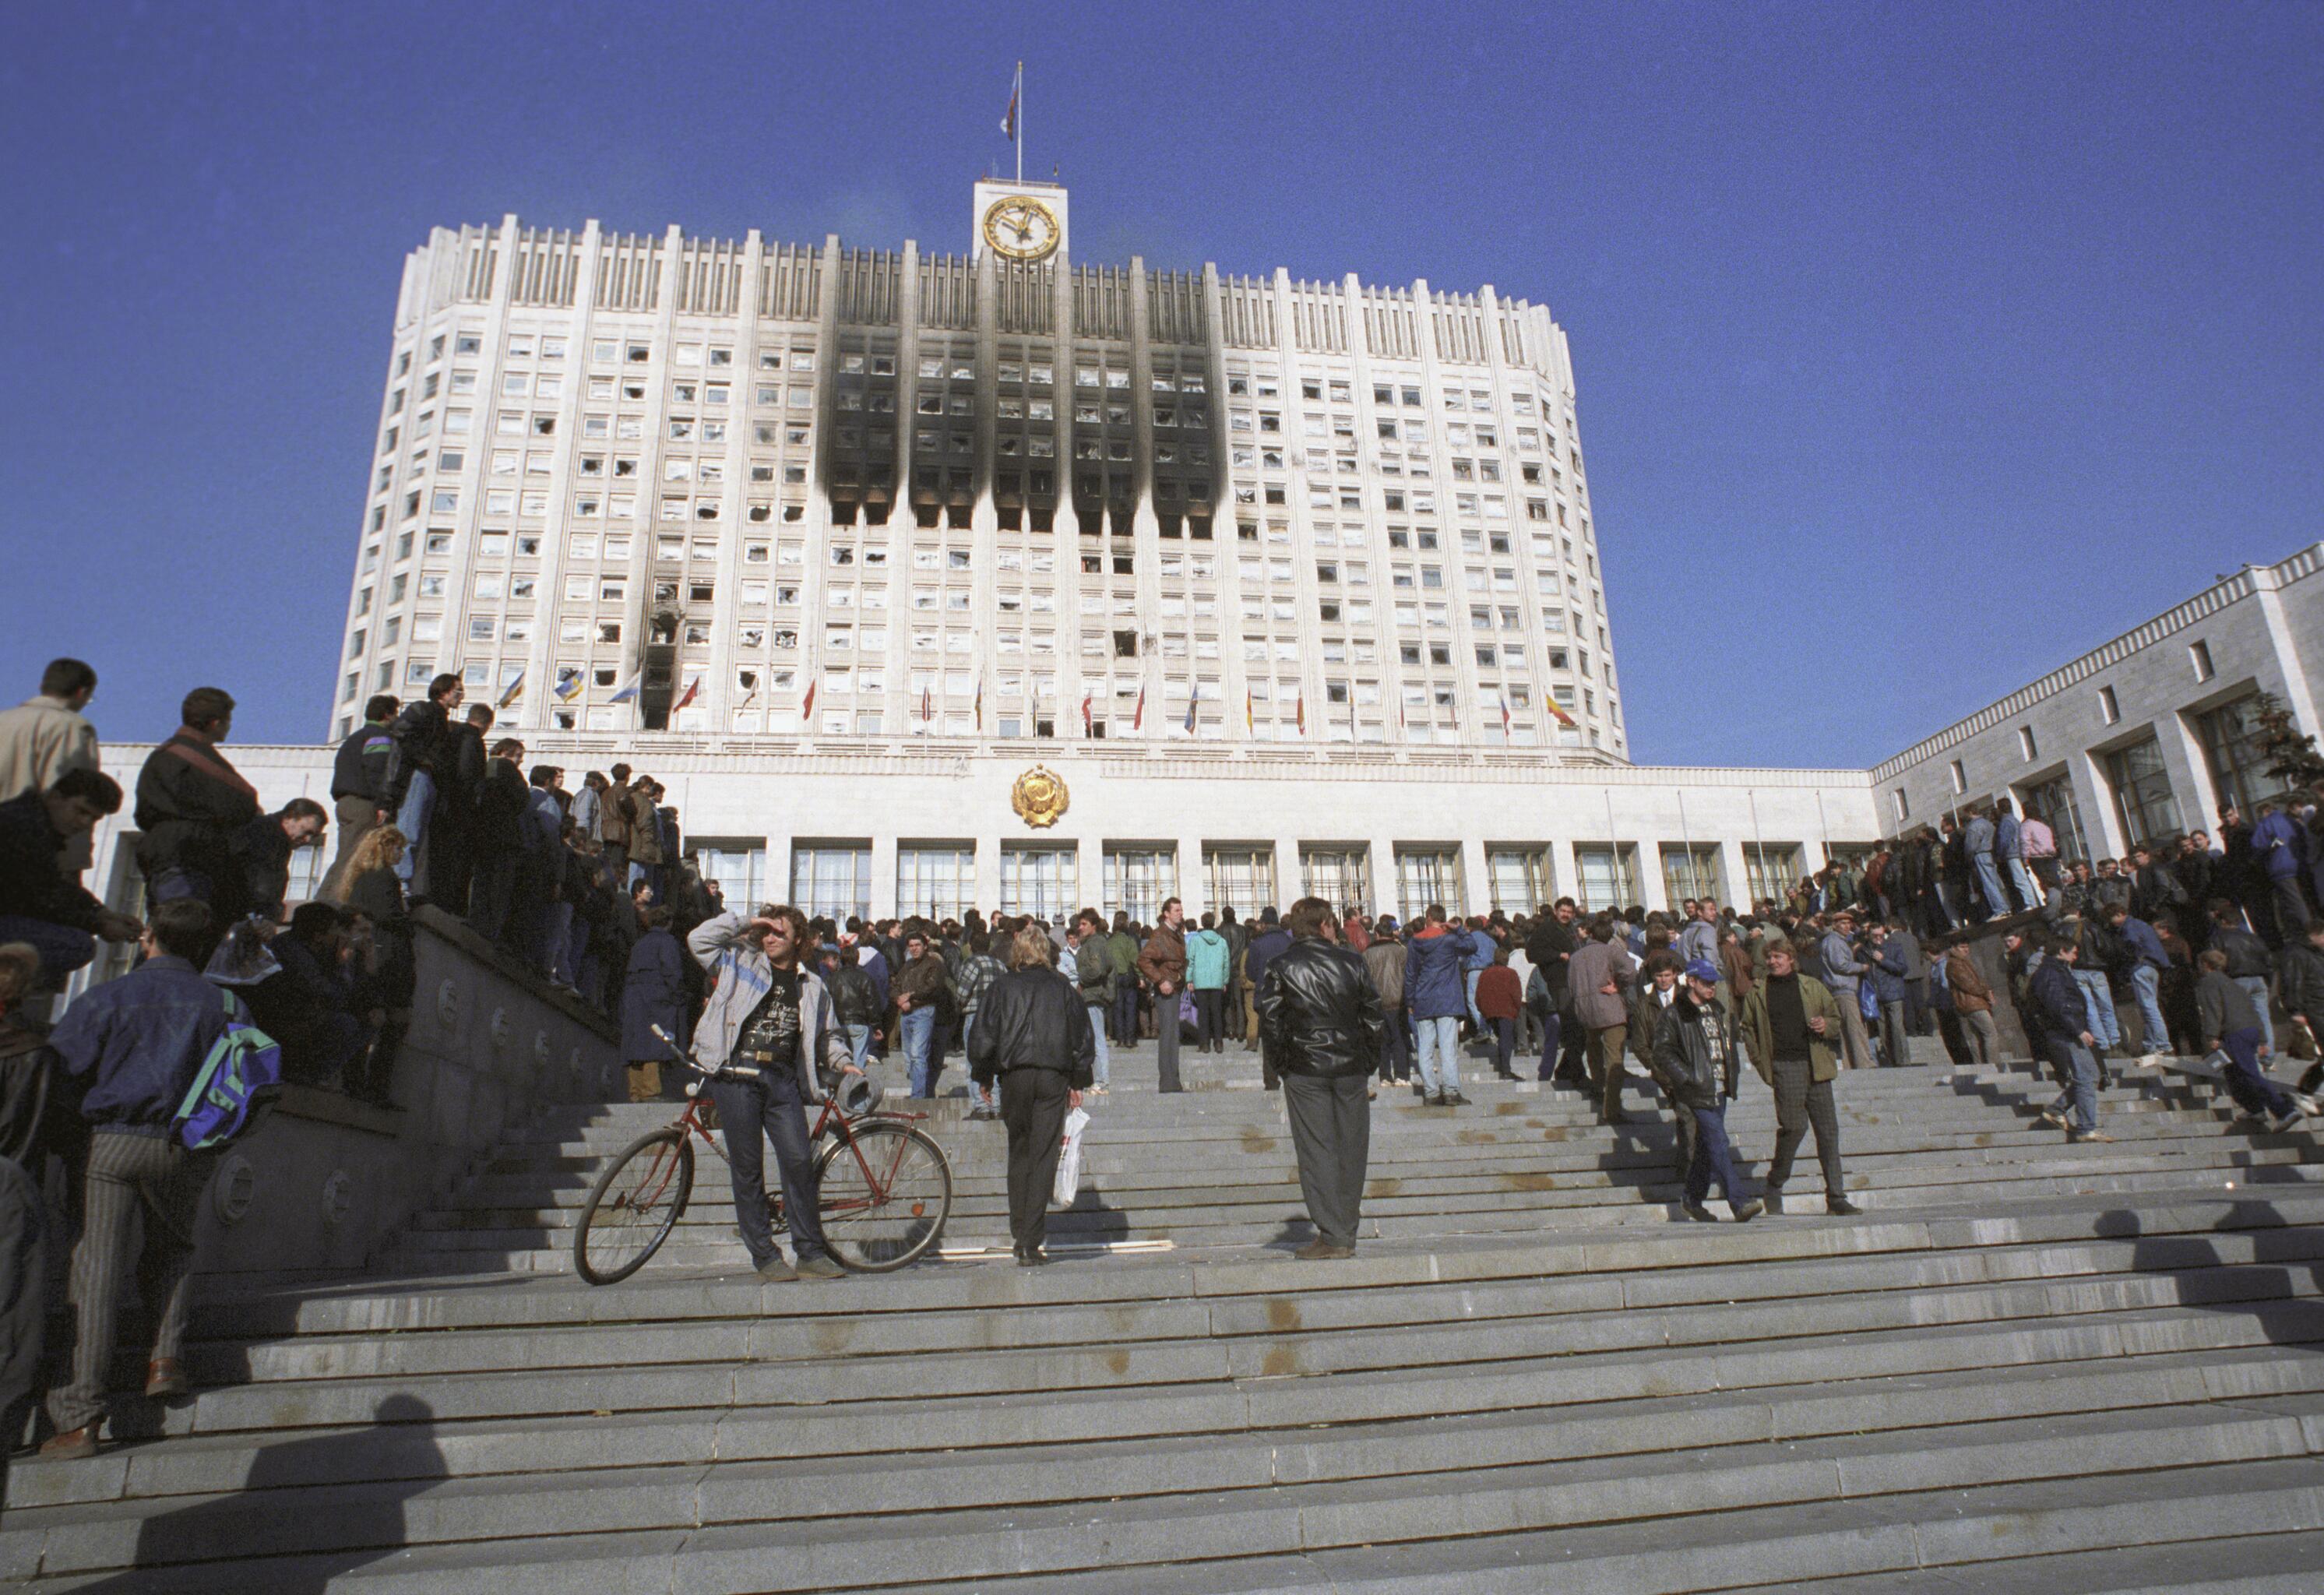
pixel 45 736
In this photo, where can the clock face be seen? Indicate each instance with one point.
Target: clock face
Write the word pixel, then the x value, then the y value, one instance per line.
pixel 1022 229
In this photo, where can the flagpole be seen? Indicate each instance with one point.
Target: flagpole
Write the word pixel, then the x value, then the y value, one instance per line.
pixel 1021 121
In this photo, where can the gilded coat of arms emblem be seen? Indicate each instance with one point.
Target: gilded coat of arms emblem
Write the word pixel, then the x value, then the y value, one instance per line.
pixel 1038 797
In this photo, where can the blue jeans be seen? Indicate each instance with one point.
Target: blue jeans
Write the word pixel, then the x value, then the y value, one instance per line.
pixel 918 1029
pixel 859 1042
pixel 1504 1044
pixel 1553 1028
pixel 411 818
pixel 754 1113
pixel 2256 984
pixel 1714 1160
pixel 2146 981
pixel 62 949
pixel 1102 1065
pixel 1988 881
pixel 2078 1071
pixel 2245 1081
pixel 1440 1053
pixel 2023 879
pixel 2099 999
pixel 1469 987
pixel 560 944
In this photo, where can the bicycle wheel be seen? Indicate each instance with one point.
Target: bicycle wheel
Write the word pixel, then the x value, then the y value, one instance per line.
pixel 633 1206
pixel 886 1191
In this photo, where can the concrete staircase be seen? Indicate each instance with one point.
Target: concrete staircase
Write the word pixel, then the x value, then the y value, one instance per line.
pixel 2030 1366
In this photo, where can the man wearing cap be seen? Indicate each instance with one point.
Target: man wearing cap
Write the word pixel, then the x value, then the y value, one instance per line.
pixel 1695 1057
pixel 1843 972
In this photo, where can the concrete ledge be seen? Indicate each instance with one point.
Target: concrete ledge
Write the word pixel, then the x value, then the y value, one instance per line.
pixel 327 1182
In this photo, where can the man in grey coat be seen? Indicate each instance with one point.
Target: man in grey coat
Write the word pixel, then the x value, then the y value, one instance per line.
pixel 1599 974
pixel 1844 971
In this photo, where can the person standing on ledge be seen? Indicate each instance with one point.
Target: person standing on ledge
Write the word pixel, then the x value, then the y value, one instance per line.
pixel 1320 1023
pixel 1035 1040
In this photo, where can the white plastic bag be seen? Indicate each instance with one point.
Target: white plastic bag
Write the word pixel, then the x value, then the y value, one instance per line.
pixel 1069 1161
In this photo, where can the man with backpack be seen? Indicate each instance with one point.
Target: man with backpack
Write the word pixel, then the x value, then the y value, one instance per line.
pixel 138 1042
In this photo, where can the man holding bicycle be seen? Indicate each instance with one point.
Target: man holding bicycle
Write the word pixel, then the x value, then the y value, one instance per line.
pixel 768 1012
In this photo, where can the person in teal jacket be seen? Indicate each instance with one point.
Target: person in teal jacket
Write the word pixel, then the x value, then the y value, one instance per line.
pixel 1206 979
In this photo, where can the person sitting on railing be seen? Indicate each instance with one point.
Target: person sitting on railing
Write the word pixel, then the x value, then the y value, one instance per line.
pixel 260 852
pixel 384 970
pixel 40 903
pixel 309 1007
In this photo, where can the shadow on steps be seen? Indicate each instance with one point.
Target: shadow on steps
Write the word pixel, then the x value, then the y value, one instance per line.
pixel 400 1446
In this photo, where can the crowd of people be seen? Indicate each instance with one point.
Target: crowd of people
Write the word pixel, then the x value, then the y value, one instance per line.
pixel 2198 946
pixel 580 887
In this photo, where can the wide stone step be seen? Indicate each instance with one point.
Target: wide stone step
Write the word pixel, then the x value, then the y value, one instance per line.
pixel 502 1202
pixel 2206 1269
pixel 2027 1354
pixel 896 1526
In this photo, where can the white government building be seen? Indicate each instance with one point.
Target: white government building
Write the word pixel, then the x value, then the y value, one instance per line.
pixel 1282 588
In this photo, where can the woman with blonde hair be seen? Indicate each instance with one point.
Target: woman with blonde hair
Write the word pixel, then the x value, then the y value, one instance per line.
pixel 373 892
pixel 1033 1037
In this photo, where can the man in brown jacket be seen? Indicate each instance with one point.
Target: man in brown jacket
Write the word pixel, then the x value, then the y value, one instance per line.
pixel 1162 964
pixel 614 824
pixel 1597 975
pixel 645 835
pixel 1384 958
pixel 1973 1001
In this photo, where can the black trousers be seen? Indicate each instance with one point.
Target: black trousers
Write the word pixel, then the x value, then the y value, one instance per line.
pixel 490 894
pixel 1210 1017
pixel 1033 1104
pixel 1332 1134
pixel 1802 1101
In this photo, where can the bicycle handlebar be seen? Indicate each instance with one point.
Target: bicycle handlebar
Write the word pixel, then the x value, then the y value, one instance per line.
pixel 722 1072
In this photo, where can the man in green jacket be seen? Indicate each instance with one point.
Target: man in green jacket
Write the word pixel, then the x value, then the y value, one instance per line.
pixel 1789 1021
pixel 1121 953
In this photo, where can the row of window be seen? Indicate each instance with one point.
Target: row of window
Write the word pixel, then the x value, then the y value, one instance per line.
pixel 939 879
pixel 2137 780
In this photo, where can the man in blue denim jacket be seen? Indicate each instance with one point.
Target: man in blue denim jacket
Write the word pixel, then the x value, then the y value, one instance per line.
pixel 139 1041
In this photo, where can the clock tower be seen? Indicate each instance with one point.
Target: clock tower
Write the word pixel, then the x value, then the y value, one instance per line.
pixel 1017 220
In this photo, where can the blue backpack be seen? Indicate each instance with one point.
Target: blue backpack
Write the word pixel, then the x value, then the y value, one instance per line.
pixel 240 1074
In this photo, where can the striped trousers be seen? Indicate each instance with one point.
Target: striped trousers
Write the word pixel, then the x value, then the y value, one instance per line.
pixel 126 1172
pixel 1803 1101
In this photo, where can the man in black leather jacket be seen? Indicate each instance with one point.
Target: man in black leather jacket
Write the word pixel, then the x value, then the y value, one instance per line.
pixel 1033 1035
pixel 1694 1057
pixel 1320 1023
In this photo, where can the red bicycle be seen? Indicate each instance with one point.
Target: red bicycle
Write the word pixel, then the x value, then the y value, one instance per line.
pixel 885 1185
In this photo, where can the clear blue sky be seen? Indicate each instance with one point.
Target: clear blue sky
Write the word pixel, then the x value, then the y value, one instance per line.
pixel 1919 345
